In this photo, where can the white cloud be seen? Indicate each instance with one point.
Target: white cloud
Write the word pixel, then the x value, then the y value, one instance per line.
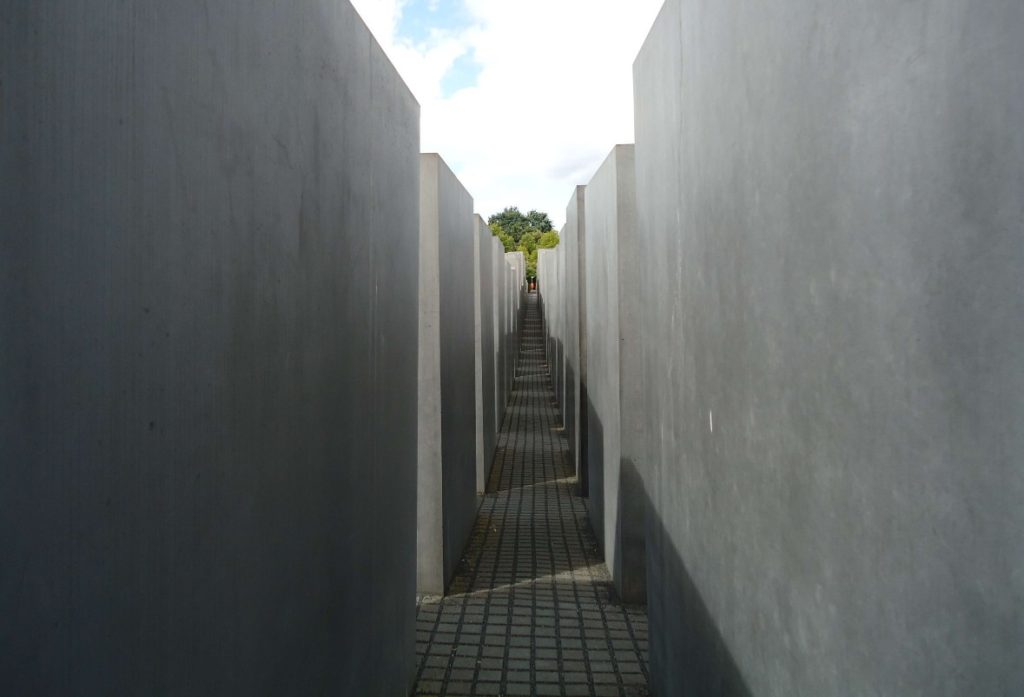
pixel 553 96
pixel 380 15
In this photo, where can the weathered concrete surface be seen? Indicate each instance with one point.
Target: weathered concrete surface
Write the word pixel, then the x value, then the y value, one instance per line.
pixel 616 433
pixel 503 303
pixel 562 386
pixel 551 304
pixel 208 362
pixel 547 296
pixel 573 246
pixel 447 389
pixel 830 219
pixel 497 261
pixel 484 288
pixel 517 308
pixel 545 285
pixel 508 320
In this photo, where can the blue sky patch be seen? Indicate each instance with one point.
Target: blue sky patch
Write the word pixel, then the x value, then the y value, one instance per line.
pixel 420 18
pixel 465 72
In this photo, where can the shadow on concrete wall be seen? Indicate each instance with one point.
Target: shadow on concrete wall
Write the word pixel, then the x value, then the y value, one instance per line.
pixel 629 565
pixel 630 534
pixel 688 654
pixel 586 413
pixel 595 469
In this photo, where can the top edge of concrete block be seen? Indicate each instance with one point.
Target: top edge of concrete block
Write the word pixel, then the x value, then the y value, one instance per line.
pixel 441 164
pixel 654 25
pixel 621 148
pixel 376 45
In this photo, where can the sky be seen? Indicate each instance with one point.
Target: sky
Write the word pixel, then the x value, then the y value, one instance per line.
pixel 522 98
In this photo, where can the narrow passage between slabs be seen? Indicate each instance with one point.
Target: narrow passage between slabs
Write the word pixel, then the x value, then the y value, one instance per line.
pixel 531 610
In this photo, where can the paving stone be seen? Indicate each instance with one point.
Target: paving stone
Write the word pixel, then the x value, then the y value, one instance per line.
pixel 461 675
pixel 532 594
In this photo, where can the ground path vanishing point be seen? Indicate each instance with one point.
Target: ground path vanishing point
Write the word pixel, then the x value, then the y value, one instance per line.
pixel 531 610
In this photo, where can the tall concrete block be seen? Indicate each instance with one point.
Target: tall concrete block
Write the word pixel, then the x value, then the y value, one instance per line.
pixel 518 289
pixel 497 256
pixel 506 326
pixel 510 326
pixel 208 282
pixel 617 425
pixel 447 457
pixel 484 287
pixel 574 408
pixel 830 227
pixel 552 306
pixel 545 290
pixel 560 383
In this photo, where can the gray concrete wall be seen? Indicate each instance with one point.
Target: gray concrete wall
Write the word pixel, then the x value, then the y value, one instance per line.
pixel 561 390
pixel 447 389
pixel 616 428
pixel 517 263
pixel 510 325
pixel 830 226
pixel 551 299
pixel 497 257
pixel 503 310
pixel 545 288
pixel 547 303
pixel 486 429
pixel 574 408
pixel 208 285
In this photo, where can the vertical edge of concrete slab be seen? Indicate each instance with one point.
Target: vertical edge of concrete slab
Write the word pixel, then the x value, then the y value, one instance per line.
pixel 478 356
pixel 497 250
pixel 458 394
pixel 616 418
pixel 486 397
pixel 573 248
pixel 430 577
pixel 633 429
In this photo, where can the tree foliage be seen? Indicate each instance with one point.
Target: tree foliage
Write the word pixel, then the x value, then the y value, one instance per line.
pixel 498 231
pixel 516 224
pixel 549 240
pixel 531 242
pixel 524 233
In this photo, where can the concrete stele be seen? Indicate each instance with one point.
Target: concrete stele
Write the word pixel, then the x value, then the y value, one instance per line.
pixel 447 457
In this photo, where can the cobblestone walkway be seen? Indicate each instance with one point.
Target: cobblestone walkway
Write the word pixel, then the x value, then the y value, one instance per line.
pixel 531 610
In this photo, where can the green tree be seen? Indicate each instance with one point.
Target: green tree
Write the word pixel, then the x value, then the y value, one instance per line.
pixel 517 224
pixel 528 246
pixel 539 221
pixel 549 240
pixel 498 231
pixel 524 233
pixel 528 242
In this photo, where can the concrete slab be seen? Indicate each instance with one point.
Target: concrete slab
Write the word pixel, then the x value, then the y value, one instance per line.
pixel 617 424
pixel 208 285
pixel 486 427
pixel 830 219
pixel 498 255
pixel 447 457
pixel 573 246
